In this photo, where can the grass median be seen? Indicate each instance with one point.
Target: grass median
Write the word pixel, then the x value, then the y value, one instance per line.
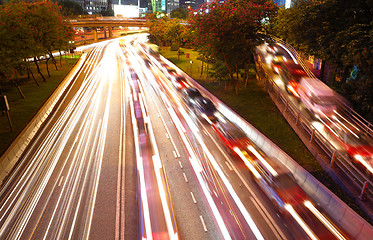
pixel 22 110
pixel 255 105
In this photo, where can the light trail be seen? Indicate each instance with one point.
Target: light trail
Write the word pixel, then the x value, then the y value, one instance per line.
pixel 300 221
pixel 324 220
pixel 266 164
pixel 229 187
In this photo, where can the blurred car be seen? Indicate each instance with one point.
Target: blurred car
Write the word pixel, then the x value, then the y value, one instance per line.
pixel 231 136
pixel 190 95
pixel 277 62
pixel 271 48
pixel 291 73
pixel 318 98
pixel 167 70
pixel 179 82
pixel 279 186
pixel 205 108
pixel 356 144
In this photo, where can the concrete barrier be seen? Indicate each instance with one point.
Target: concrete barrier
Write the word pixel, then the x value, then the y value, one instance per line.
pixel 15 150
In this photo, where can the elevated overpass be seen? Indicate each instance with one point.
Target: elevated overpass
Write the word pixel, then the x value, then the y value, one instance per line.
pixel 107 23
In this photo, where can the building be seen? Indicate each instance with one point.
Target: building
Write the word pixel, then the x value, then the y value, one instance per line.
pixel 286 3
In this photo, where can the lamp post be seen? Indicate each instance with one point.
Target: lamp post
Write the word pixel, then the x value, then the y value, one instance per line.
pixel 191 69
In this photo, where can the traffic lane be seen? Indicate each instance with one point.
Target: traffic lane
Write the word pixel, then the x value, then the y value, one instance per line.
pixel 303 236
pixel 177 99
pixel 262 210
pixel 186 199
pixel 93 169
pixel 109 188
pixel 234 225
pixel 20 178
pixel 67 145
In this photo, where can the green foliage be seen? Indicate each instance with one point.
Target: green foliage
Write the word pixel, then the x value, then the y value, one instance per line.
pixel 180 13
pixel 164 31
pixel 174 47
pixel 228 32
pixel 30 29
pixel 340 32
pixel 70 8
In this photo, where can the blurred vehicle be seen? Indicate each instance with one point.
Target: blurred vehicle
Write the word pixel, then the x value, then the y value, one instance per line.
pixel 190 95
pixel 291 73
pixel 278 184
pixel 167 70
pixel 205 108
pixel 356 144
pixel 277 63
pixel 231 136
pixel 271 48
pixel 317 96
pixel 179 82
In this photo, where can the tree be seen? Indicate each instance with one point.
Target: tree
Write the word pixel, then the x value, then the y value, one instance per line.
pixel 230 31
pixel 70 8
pixel 339 31
pixel 181 13
pixel 30 30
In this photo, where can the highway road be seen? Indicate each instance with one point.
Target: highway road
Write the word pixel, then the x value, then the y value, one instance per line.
pixel 123 156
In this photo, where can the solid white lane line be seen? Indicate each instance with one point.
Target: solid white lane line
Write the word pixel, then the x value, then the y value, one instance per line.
pixel 229 165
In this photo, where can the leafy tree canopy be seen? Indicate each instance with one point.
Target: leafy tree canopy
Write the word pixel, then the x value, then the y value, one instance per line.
pixel 339 31
pixel 229 31
pixel 70 8
pixel 181 13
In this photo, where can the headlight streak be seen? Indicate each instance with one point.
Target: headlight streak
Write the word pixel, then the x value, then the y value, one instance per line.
pixel 348 129
pixel 324 220
pixel 237 200
pixel 28 170
pixel 365 163
pixel 266 164
pixel 53 163
pixel 353 125
pixel 248 163
pixel 158 171
pixel 198 170
pixel 300 221
pixel 291 55
pixel 95 157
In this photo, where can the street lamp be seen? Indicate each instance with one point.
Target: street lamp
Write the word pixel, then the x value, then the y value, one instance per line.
pixel 191 69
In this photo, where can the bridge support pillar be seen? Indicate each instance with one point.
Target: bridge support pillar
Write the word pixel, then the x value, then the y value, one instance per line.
pixel 110 32
pixel 95 34
pixel 105 32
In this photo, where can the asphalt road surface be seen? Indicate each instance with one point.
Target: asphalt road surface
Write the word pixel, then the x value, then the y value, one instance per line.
pixel 123 157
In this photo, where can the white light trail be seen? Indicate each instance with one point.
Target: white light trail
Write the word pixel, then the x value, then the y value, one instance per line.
pixel 247 163
pixel 229 187
pixel 300 221
pixel 266 164
pixel 324 220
